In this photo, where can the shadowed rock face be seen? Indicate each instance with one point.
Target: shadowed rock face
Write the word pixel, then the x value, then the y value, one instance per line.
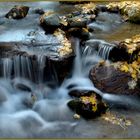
pixel 111 80
pixel 18 12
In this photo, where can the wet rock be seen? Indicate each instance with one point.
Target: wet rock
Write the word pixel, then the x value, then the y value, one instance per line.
pixel 88 106
pixel 39 11
pixel 22 87
pixel 59 68
pixel 101 8
pixel 50 22
pixel 54 64
pixel 128 9
pixel 78 19
pixel 18 12
pixel 126 50
pixel 79 33
pixel 78 93
pixel 115 78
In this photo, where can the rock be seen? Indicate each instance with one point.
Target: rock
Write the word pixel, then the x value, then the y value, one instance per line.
pixel 50 22
pixel 78 93
pixel 88 107
pixel 78 19
pixel 130 10
pixel 126 50
pixel 22 87
pixel 18 12
pixel 53 65
pixel 39 11
pixel 115 78
pixel 102 8
pixel 83 33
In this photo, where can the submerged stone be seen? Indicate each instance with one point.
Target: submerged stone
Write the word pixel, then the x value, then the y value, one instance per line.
pixel 88 107
pixel 18 12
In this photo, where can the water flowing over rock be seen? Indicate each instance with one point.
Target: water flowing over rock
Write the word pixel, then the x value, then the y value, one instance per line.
pixel 18 12
pixel 39 62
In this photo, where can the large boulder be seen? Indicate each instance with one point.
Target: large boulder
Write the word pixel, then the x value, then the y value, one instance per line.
pixel 18 12
pixel 117 78
pixel 88 106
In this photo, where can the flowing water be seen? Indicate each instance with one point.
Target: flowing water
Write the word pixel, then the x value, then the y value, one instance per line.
pixel 29 109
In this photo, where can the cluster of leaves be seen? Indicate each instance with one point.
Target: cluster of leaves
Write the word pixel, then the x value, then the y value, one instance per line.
pixel 90 100
pixel 132 44
pixel 87 8
pixel 66 45
pixel 133 68
pixel 114 119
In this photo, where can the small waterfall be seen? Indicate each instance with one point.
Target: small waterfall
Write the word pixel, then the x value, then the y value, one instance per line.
pixel 100 47
pixel 18 66
pixel 104 50
pixel 41 66
pixel 7 68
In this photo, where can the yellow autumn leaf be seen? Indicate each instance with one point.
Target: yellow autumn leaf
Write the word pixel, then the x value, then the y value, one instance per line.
pixel 124 68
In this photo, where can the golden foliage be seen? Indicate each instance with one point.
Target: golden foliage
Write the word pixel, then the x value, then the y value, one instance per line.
pixel 130 9
pixel 90 100
pixel 66 45
pixel 132 44
pixel 114 119
pixel 133 68
pixel 86 8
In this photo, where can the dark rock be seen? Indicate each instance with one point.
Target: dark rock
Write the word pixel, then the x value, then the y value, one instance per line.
pixel 77 22
pixel 88 107
pixel 50 22
pixel 126 50
pixel 22 87
pixel 59 68
pixel 39 11
pixel 18 12
pixel 79 93
pixel 78 32
pixel 111 80
pixel 102 8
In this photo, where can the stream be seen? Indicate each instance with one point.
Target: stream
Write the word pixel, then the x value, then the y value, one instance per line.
pixel 49 116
